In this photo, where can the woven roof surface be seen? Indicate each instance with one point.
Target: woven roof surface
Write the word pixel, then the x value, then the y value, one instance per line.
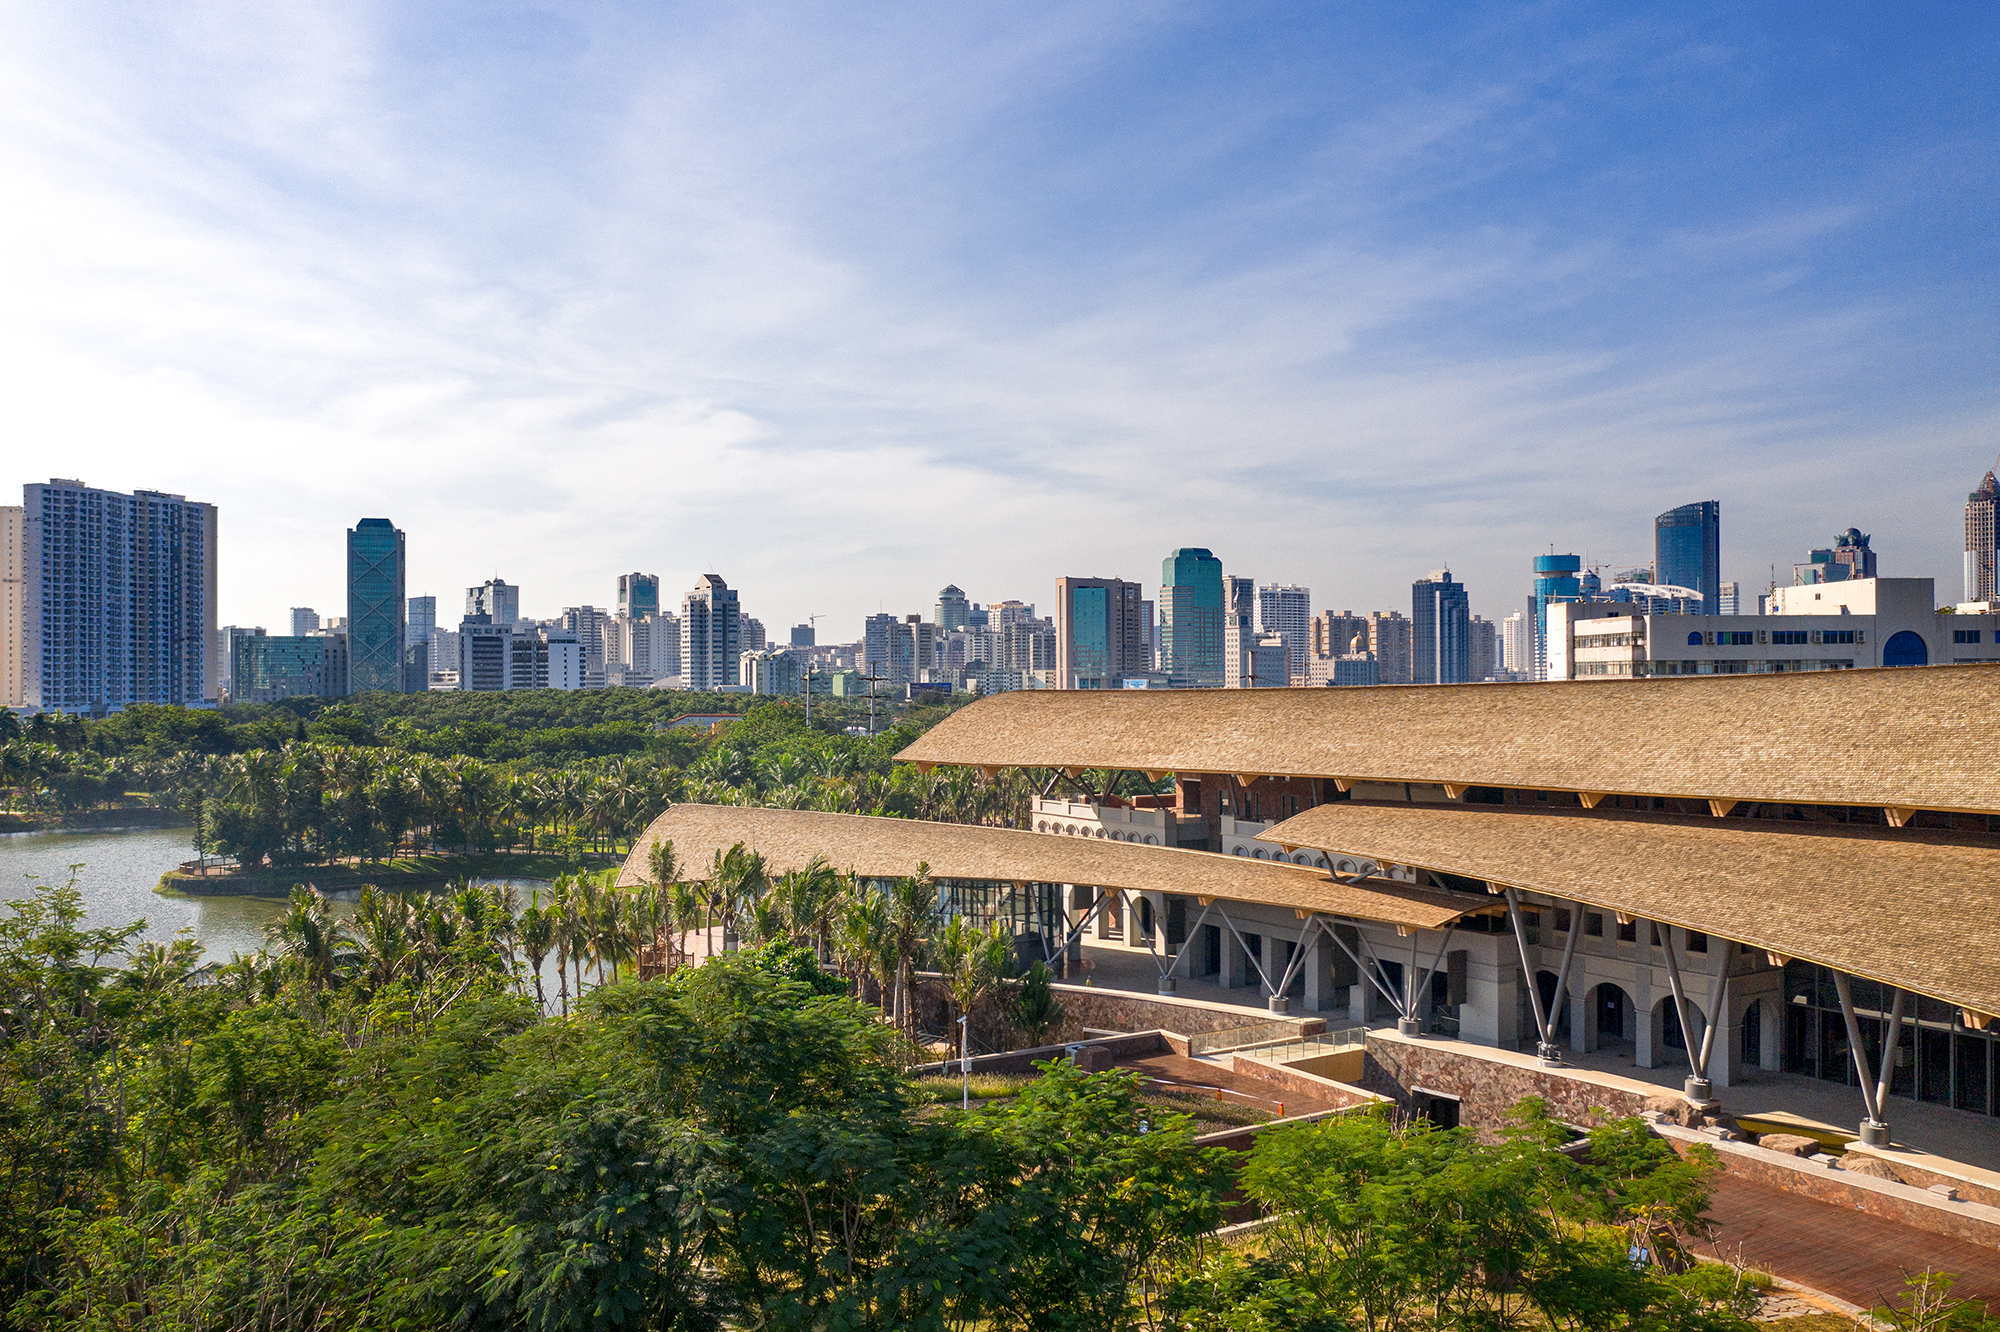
pixel 789 839
pixel 1915 737
pixel 1913 909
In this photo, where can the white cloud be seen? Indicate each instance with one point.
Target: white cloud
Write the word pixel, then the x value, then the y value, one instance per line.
pixel 764 295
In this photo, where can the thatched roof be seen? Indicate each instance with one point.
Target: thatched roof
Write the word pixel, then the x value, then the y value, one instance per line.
pixel 890 848
pixel 1913 909
pixel 1915 738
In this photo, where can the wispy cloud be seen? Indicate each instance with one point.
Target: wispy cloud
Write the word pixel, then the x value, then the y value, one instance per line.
pixel 848 305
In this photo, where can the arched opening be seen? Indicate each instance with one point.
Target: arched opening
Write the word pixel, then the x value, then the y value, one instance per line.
pixel 1694 639
pixel 1905 648
pixel 1146 918
pixel 1668 1035
pixel 1613 1012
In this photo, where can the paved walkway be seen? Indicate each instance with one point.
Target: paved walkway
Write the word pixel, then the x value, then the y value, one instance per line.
pixel 1856 1257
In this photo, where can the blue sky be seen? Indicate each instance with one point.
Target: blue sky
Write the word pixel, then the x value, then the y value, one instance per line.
pixel 846 303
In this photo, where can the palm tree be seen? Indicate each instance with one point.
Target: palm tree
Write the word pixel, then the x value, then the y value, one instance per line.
pixel 538 936
pixel 308 937
pixel 912 913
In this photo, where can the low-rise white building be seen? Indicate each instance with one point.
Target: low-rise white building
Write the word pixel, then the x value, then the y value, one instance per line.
pixel 1815 627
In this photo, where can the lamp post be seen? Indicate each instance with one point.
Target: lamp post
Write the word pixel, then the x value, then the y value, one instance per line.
pixel 965 1059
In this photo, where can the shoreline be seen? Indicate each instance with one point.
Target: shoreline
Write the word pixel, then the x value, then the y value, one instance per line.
pixel 402 875
pixel 139 817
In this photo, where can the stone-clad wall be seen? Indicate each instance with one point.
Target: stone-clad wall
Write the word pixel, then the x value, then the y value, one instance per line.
pixel 1122 1010
pixel 1486 1089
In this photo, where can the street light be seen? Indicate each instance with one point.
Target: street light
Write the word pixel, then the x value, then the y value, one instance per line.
pixel 965 1059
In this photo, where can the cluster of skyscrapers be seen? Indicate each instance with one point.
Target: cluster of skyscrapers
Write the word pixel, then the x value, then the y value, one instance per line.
pixel 108 599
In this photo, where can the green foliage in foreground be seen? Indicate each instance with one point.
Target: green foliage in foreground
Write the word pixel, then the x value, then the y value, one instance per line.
pixel 353 1136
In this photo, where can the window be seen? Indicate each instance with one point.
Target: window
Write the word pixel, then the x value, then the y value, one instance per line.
pixel 1628 931
pixel 1965 635
pixel 1735 638
pixel 1789 636
pixel 1697 942
pixel 1837 636
pixel 1694 639
pixel 1562 920
pixel 1593 925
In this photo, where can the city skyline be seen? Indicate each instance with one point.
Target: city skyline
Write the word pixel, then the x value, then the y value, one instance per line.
pixel 1421 278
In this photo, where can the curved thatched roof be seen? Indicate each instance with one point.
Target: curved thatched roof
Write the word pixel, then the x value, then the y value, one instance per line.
pixel 1911 909
pixel 889 848
pixel 1915 738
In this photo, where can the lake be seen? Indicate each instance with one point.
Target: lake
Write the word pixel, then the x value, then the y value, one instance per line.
pixel 120 871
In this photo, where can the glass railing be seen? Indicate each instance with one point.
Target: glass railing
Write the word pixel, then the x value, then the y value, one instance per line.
pixel 1309 1047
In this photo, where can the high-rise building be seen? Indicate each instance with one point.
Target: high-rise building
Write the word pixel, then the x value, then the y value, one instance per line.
pixel 1517 646
pixel 13 603
pixel 516 656
pixel 374 606
pixel 305 621
pixel 1982 542
pixel 1730 598
pixel 711 634
pixel 267 669
pixel 1555 581
pixel 1003 613
pixel 118 599
pixel 421 624
pixel 498 601
pixel 1239 632
pixel 953 610
pixel 1333 633
pixel 1687 550
pixel 1100 633
pixel 1149 619
pixel 591 627
pixel 1389 640
pixel 1440 642
pixel 1286 610
pixel 1191 613
pixel 753 634
pixel 650 646
pixel 1026 645
pixel 803 635
pixel 1483 640
pixel 638 595
pixel 1848 557
pixel 230 637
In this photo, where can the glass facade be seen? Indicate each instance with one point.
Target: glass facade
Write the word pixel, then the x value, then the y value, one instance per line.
pixel 1191 651
pixel 1938 1058
pixel 270 668
pixel 1090 637
pixel 374 605
pixel 1687 550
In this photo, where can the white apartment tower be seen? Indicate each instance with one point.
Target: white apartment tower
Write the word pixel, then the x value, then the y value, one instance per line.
pixel 1286 610
pixel 118 599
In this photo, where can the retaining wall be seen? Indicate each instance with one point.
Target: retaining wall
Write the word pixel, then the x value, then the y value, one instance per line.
pixel 1125 1010
pixel 1487 1089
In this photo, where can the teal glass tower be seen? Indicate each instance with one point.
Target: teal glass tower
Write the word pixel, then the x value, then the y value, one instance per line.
pixel 1191 619
pixel 374 606
pixel 1556 579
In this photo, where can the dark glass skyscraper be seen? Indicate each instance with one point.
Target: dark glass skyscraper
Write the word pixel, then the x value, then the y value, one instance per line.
pixel 1687 550
pixel 1191 619
pixel 1440 630
pixel 374 605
